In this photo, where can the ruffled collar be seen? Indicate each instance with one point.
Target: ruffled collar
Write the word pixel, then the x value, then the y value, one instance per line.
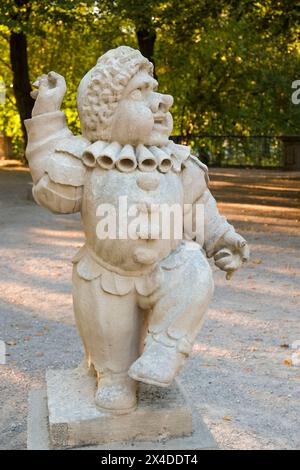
pixel 127 158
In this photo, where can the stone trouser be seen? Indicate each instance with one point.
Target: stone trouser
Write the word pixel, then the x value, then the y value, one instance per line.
pixel 114 327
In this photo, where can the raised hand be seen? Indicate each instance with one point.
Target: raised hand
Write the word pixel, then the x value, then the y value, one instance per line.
pixel 49 94
pixel 231 252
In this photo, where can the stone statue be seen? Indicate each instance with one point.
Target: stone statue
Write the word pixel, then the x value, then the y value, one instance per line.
pixel 138 301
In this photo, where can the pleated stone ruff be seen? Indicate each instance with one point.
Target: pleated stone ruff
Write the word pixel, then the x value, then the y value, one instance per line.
pixel 127 158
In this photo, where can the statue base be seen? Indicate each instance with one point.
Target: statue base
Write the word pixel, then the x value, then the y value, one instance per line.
pixel 64 415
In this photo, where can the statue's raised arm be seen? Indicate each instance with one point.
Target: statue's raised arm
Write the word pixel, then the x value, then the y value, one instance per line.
pixel 57 175
pixel 49 93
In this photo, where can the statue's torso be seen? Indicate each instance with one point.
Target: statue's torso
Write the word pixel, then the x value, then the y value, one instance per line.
pixel 118 189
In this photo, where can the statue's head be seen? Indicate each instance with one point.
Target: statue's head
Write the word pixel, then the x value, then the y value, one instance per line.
pixel 117 101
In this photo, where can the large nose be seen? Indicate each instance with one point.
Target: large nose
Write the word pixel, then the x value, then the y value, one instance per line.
pixel 160 102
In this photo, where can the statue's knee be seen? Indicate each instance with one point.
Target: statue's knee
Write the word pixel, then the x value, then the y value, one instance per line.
pixel 204 288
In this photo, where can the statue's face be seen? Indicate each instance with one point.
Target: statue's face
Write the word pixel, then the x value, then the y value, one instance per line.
pixel 142 115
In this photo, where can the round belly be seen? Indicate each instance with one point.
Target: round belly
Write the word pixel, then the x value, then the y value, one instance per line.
pixel 132 220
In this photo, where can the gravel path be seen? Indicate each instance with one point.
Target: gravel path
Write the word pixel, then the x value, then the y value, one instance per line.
pixel 239 376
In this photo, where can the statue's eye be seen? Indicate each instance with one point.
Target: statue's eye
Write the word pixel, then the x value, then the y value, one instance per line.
pixel 136 94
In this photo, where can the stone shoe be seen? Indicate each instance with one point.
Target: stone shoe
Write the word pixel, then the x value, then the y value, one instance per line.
pixel 158 365
pixel 116 393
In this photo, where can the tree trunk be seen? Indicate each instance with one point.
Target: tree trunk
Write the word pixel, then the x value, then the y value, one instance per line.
pixel 146 40
pixel 21 82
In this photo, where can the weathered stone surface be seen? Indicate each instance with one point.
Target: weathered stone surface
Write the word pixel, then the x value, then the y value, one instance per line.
pixel 74 419
pixel 37 420
pixel 141 282
pixel 38 432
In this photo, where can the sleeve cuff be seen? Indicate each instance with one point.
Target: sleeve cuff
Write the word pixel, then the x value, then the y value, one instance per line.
pixel 41 126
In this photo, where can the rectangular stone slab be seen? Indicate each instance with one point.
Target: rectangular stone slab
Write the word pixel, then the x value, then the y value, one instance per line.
pixel 38 432
pixel 74 420
pixel 37 420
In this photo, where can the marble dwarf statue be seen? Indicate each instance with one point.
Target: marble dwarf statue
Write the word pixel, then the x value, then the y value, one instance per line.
pixel 138 302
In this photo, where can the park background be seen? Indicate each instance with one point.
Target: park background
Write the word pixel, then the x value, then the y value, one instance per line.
pixel 230 66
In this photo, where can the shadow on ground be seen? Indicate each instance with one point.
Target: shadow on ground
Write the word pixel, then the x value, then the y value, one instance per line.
pixel 238 375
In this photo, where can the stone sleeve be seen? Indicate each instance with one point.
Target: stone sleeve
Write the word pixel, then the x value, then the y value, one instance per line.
pixel 58 177
pixel 202 220
pixel 44 132
pixel 215 225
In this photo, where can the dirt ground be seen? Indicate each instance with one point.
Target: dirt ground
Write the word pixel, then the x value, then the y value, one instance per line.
pixel 240 375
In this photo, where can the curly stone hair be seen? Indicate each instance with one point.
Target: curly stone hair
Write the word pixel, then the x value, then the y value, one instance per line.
pixel 102 87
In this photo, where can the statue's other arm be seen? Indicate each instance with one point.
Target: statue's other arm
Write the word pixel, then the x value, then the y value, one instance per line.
pixel 53 152
pixel 219 238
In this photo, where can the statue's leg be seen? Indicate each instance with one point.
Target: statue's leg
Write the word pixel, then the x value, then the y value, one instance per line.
pixel 178 308
pixel 109 326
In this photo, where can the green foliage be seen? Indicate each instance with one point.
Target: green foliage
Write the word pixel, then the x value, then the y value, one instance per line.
pixel 228 64
pixel 67 37
pixel 232 76
pixel 9 118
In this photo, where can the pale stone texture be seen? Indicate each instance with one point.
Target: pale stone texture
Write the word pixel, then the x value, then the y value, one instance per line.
pixel 38 437
pixel 37 421
pixel 74 419
pixel 138 302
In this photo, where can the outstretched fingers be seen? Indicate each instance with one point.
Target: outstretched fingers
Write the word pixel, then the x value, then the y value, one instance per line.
pixel 39 84
pixel 237 242
pixel 56 80
pixel 34 94
pixel 245 252
pixel 230 263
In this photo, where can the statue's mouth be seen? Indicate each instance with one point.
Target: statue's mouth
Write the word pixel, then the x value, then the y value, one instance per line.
pixel 160 120
pixel 159 117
